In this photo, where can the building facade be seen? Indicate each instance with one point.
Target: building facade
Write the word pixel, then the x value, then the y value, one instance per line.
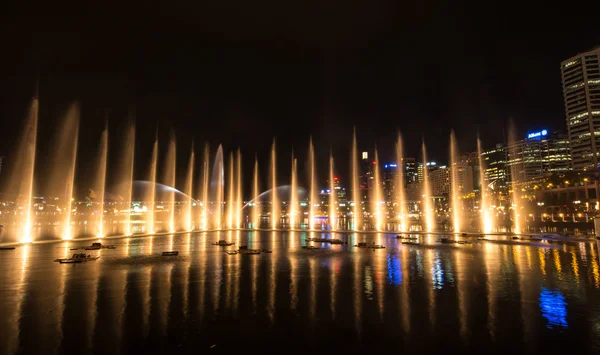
pixel 581 93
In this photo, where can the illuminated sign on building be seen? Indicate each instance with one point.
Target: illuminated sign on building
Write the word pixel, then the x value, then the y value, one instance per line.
pixel 537 134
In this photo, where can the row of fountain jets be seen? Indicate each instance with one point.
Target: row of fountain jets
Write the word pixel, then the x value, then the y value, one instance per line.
pixel 228 212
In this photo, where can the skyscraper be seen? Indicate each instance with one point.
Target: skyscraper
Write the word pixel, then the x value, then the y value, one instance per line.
pixel 581 91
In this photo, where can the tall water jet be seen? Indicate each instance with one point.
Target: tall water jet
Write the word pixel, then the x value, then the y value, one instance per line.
pixel 126 174
pixel 356 195
pixel 455 185
pixel 514 177
pixel 313 186
pixel 151 192
pixel 169 180
pixel 400 192
pixel 21 180
pixel 275 207
pixel 427 202
pixel 230 192
pixel 255 198
pixel 101 181
pixel 486 217
pixel 379 201
pixel 238 192
pixel 205 183
pixel 333 215
pixel 62 178
pixel 219 176
pixel 189 178
pixel 293 208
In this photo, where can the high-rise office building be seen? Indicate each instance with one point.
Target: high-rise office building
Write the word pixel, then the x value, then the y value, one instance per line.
pixel 581 91
pixel 540 154
pixel 494 161
pixel 411 174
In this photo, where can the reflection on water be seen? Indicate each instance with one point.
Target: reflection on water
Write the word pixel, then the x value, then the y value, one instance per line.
pixel 511 297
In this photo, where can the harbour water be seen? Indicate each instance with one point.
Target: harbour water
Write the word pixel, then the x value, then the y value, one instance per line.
pixel 503 296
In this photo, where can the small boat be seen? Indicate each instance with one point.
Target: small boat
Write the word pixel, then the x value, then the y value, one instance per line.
pixel 223 243
pixel 250 252
pixel 377 246
pixel 464 242
pixel 464 234
pixel 361 245
pixel 411 243
pixel 78 258
pixel 310 247
pixel 232 252
pixel 516 238
pixel 407 237
pixel 336 241
pixel 7 248
pixel 111 247
pixel 170 253
pixel 445 240
pixel 71 261
pixel 94 246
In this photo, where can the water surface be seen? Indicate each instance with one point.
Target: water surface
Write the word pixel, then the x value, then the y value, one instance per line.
pixel 492 297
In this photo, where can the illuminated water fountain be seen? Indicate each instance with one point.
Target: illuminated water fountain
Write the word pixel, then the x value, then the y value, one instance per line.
pixel 356 193
pixel 255 193
pixel 487 220
pixel 205 187
pixel 427 201
pixel 238 192
pixel 312 198
pixel 379 206
pixel 455 185
pixel 101 182
pixel 169 180
pixel 293 207
pixel 333 215
pixel 151 192
pixel 275 208
pixel 189 224
pixel 401 210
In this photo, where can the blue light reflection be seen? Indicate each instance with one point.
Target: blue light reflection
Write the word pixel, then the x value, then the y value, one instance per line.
pixel 554 308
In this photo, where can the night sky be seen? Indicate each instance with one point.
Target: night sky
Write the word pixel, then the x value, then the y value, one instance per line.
pixel 242 72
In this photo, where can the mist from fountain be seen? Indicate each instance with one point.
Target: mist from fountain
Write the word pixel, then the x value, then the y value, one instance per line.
pixel 514 177
pixel 312 198
pixel 401 194
pixel 275 207
pixel 189 178
pixel 21 180
pixel 238 193
pixel 219 176
pixel 455 185
pixel 169 180
pixel 101 181
pixel 356 193
pixel 205 183
pixel 255 193
pixel 293 207
pixel 427 201
pixel 333 217
pixel 486 217
pixel 378 194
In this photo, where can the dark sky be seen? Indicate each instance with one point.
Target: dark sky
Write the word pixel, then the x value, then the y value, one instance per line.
pixel 242 72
